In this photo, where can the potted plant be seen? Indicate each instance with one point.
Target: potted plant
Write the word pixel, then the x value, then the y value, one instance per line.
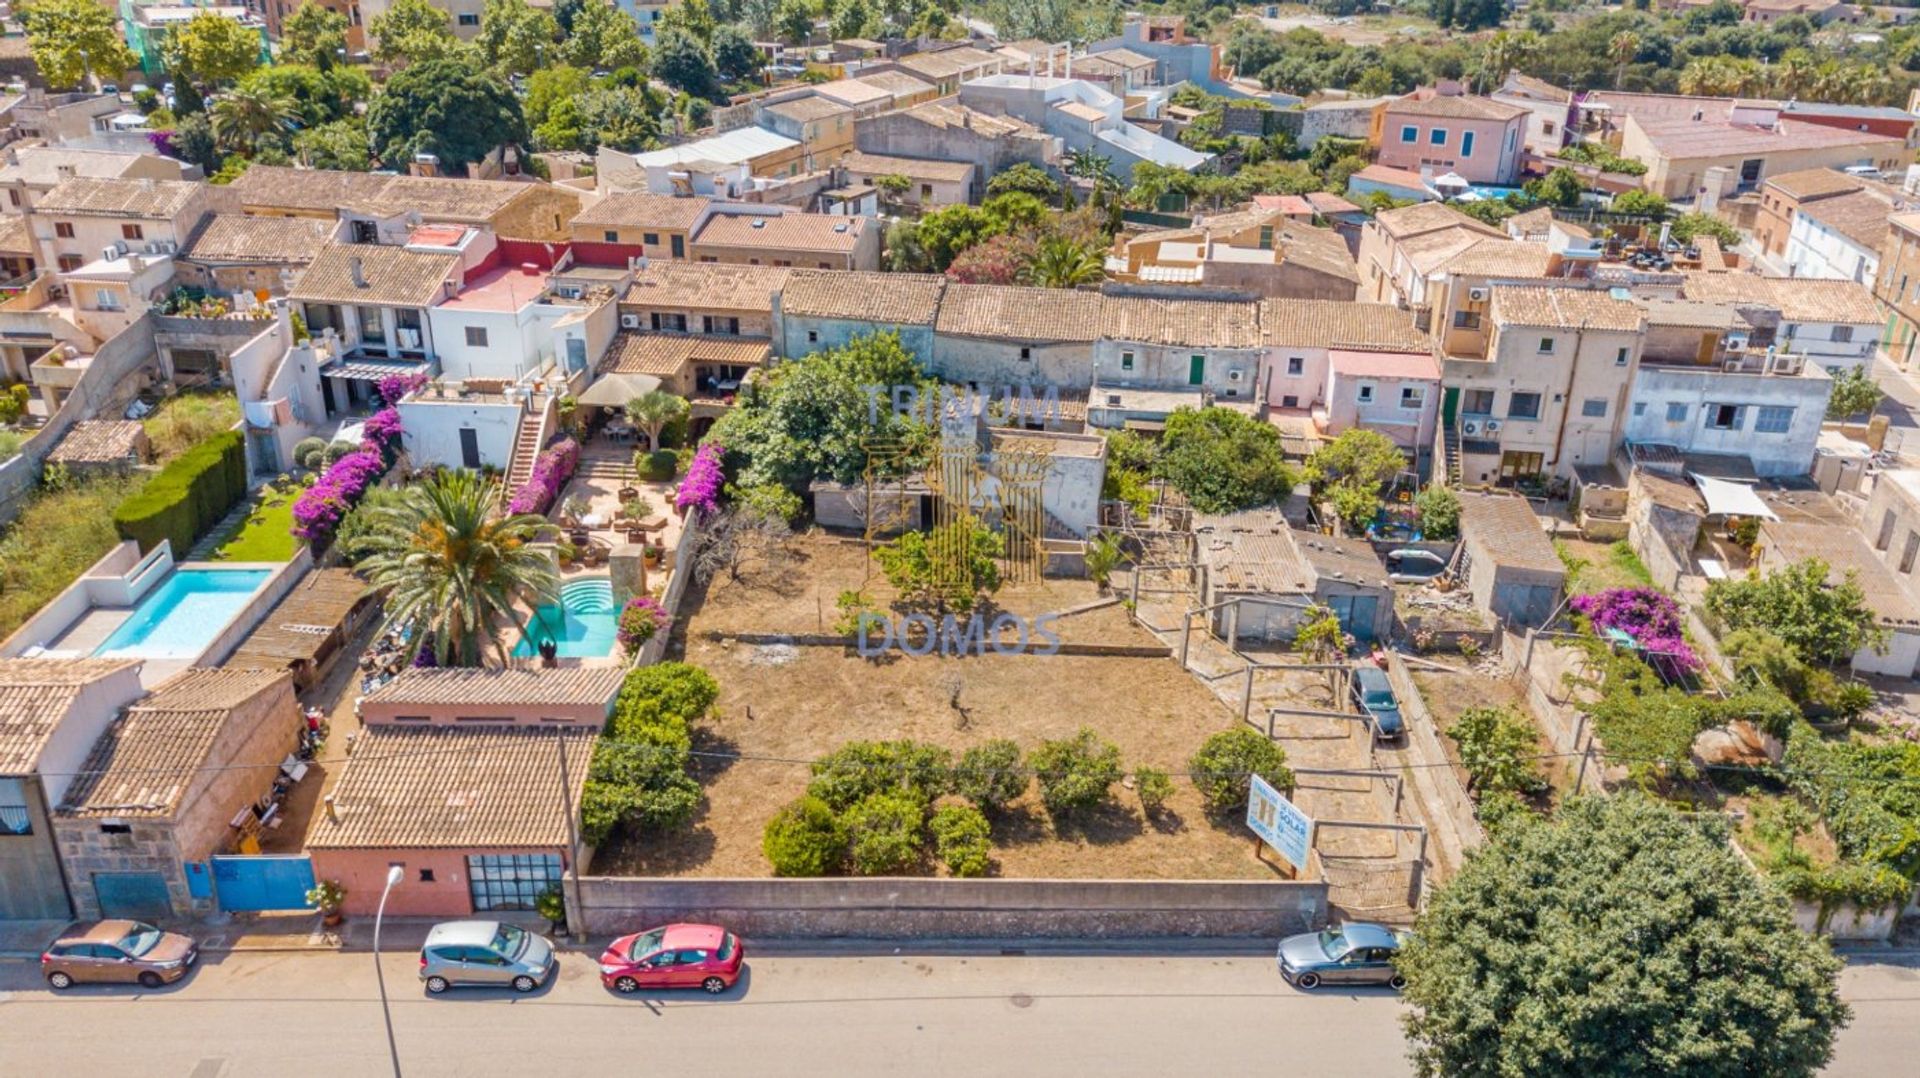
pixel 655 554
pixel 553 906
pixel 565 552
pixel 328 896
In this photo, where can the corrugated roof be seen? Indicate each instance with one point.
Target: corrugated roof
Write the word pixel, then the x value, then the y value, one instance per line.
pixel 35 695
pixel 1690 139
pixel 531 686
pixel 450 787
pixel 738 146
pixel 235 237
pixel 146 761
pixel 638 209
pixel 1252 551
pixel 300 627
pixel 1015 313
pixel 670 353
pixel 151 199
pixel 897 298
pixel 1349 560
pixel 706 286
pixel 1505 531
pixel 394 276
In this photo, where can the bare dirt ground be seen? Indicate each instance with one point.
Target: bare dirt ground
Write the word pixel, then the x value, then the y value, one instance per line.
pixel 1448 696
pixel 783 705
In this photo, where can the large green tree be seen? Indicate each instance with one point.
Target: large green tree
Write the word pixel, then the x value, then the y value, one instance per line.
pixel 74 41
pixel 212 50
pixel 735 54
pixel 682 62
pixel 340 145
pixel 318 96
pixel 1224 461
pixel 313 35
pixel 248 119
pixel 412 31
pixel 445 108
pixel 454 566
pixel 1618 938
pixel 516 37
pixel 1824 622
pixel 604 38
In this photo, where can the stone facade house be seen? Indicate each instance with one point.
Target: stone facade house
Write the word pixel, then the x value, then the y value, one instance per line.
pixel 1510 565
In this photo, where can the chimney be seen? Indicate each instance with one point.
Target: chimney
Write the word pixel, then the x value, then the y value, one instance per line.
pixel 147 184
pixel 358 272
pixel 333 812
pixel 65 172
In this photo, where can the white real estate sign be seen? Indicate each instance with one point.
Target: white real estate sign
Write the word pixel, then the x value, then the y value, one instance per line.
pixel 1279 822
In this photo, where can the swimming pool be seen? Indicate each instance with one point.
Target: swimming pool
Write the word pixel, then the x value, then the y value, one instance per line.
pixel 581 626
pixel 179 618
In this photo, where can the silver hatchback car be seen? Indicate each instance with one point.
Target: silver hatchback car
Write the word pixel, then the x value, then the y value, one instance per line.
pixel 486 953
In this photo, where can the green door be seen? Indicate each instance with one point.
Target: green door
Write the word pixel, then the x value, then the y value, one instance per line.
pixel 1450 406
pixel 1197 371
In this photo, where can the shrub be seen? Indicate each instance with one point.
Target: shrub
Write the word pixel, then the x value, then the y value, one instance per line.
pixel 309 453
pixel 886 833
pixel 188 497
pixel 1153 786
pixel 990 775
pixel 671 689
pixel 335 451
pixel 805 839
pixel 859 769
pixel 551 470
pixel 1222 766
pixel 1439 509
pixel 640 621
pixel 319 508
pixel 963 840
pixel 1496 749
pixel 638 777
pixel 700 490
pixel 1075 773
pixel 657 466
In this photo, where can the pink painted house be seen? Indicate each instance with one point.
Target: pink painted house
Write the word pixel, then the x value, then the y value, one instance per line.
pixel 577 696
pixel 1441 130
pixel 1395 393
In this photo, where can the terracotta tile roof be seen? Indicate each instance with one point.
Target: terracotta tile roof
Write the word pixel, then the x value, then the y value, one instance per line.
pixel 706 286
pixel 1126 58
pixel 531 686
pixel 101 441
pixel 41 165
pixel 454 786
pixel 1326 323
pixel 1846 552
pixel 234 237
pixel 1688 139
pixel 1504 530
pixel 15 237
pixel 1193 323
pixel 1024 314
pixel 942 116
pixel 637 209
pixel 147 760
pixel 911 167
pixel 1814 183
pixel 1429 252
pixel 1502 258
pixel 897 298
pixel 827 233
pixel 809 109
pixel 437 198
pixel 853 91
pixel 670 353
pixel 35 695
pixel 947 62
pixel 896 84
pixel 395 276
pixel 1798 299
pixel 1428 217
pixel 1568 308
pixel 1860 216
pixel 152 199
pixel 1456 107
pixel 1529 86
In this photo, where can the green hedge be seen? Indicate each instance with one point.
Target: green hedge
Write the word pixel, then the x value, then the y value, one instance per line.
pixel 189 496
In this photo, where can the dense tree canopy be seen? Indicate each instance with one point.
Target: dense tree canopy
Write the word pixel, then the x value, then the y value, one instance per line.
pixel 445 108
pixel 1823 622
pixel 412 31
pixel 74 41
pixel 313 35
pixel 1618 938
pixel 1224 461
pixel 212 50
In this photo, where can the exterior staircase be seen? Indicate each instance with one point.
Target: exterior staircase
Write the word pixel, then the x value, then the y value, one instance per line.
pixel 526 446
pixel 1454 476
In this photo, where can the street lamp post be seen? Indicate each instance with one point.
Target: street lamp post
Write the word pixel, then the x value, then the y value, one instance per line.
pixel 394 873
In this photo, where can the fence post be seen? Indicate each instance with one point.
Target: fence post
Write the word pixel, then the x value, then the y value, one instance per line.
pixel 1186 634
pixel 1246 701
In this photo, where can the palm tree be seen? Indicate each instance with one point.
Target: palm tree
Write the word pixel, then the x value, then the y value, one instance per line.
pixel 243 117
pixel 1503 53
pixel 653 412
pixel 453 567
pixel 1062 263
pixel 1622 50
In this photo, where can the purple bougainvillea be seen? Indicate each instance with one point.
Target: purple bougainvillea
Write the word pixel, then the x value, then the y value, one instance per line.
pixel 319 508
pixel 394 387
pixel 641 620
pixel 1651 618
pixel 551 470
pixel 381 431
pixel 701 488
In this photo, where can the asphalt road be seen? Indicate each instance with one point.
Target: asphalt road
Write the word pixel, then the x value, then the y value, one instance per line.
pixel 317 1014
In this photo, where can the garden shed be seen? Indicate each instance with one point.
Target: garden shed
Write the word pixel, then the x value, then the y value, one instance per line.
pixel 1507 561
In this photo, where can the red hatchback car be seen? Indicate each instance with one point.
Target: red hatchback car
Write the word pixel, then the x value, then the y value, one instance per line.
pixel 677 956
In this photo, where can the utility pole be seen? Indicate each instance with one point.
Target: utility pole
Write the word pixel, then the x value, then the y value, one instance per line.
pixel 577 931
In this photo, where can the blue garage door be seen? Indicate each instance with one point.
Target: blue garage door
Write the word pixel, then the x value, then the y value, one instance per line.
pixel 1356 614
pixel 139 895
pixel 262 882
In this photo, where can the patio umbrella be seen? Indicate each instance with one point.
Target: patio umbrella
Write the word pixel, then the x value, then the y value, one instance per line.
pixel 615 390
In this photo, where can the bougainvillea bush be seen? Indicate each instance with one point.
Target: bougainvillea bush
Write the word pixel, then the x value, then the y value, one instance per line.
pixel 551 470
pixel 320 507
pixel 641 620
pixel 381 432
pixel 394 387
pixel 1650 617
pixel 701 488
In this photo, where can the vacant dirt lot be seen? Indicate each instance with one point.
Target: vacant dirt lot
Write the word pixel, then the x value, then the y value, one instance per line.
pixel 783 705
pixel 1448 696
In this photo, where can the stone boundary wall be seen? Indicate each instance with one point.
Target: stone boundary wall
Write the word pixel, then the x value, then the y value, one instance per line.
pixel 911 908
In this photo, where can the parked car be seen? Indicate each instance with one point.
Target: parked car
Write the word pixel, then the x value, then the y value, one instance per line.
pixel 1411 565
pixel 676 956
pixel 1354 953
pixel 1374 694
pixel 120 952
pixel 485 953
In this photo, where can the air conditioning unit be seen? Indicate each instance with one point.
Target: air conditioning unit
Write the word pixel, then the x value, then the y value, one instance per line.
pixel 1786 364
pixel 1235 374
pixel 112 251
pixel 1493 426
pixel 1477 295
pixel 162 247
pixel 629 321
pixel 1470 428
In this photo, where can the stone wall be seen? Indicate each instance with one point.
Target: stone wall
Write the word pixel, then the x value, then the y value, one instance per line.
pixel 107 383
pixel 897 908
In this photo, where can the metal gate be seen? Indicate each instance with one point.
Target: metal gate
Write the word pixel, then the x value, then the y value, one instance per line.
pixel 140 895
pixel 262 882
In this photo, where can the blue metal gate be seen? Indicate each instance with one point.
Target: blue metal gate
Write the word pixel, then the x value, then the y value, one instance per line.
pixel 262 882
pixel 140 895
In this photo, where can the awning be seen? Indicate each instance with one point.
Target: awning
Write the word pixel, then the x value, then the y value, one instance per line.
pixel 615 390
pixel 372 370
pixel 1731 499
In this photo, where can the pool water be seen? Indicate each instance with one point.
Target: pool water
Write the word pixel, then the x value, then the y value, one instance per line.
pixel 581 626
pixel 180 618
